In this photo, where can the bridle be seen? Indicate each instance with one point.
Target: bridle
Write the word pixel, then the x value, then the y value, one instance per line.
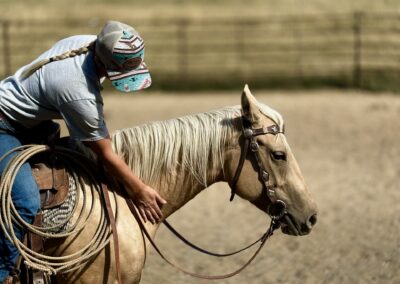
pixel 277 208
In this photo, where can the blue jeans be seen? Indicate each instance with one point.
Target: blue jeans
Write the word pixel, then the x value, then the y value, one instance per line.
pixel 25 195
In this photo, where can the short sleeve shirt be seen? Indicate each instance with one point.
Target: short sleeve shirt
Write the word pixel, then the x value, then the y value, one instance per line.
pixel 67 89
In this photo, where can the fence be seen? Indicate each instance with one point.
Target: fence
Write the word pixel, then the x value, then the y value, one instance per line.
pixel 352 50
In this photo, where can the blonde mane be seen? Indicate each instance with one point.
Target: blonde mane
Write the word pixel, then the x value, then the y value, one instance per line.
pixel 194 142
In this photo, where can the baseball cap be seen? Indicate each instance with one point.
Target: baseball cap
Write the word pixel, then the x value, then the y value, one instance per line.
pixel 121 49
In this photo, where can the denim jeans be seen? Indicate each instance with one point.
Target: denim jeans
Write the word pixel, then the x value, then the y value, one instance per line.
pixel 25 195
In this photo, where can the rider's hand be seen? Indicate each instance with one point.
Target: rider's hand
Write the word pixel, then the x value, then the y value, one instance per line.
pixel 149 203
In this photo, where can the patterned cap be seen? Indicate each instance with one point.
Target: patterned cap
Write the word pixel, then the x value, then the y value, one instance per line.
pixel 121 50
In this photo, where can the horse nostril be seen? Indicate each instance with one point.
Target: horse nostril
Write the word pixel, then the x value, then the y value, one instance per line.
pixel 312 220
pixel 307 226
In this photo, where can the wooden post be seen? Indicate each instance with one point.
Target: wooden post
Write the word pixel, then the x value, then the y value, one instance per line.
pixel 182 38
pixel 240 40
pixel 298 48
pixel 6 47
pixel 357 50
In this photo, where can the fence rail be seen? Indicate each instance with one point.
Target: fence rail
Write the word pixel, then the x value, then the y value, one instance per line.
pixel 356 50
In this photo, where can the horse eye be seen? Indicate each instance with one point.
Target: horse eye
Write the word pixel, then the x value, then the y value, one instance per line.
pixel 278 155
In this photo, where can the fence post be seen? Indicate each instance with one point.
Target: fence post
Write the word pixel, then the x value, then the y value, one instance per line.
pixel 240 49
pixel 6 47
pixel 182 49
pixel 357 50
pixel 298 48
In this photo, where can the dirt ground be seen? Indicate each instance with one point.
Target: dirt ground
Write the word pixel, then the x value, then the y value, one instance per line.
pixel 347 145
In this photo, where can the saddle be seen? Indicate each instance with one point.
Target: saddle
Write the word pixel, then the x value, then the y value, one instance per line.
pixel 52 179
pixel 53 183
pixel 50 174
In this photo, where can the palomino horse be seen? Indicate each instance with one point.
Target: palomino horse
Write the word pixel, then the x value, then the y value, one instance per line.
pixel 181 157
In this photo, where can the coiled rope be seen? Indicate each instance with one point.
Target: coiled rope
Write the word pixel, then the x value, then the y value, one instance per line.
pixel 9 217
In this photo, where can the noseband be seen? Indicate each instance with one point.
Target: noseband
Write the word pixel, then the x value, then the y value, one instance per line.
pixel 277 208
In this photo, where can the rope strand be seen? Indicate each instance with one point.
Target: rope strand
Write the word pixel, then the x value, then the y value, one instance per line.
pixel 9 216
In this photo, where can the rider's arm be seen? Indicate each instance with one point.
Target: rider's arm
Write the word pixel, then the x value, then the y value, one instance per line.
pixel 85 122
pixel 147 199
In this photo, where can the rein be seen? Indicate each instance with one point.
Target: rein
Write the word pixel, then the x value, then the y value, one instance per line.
pixel 190 244
pixel 273 226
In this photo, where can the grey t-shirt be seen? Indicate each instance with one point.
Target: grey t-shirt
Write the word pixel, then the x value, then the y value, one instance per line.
pixel 67 89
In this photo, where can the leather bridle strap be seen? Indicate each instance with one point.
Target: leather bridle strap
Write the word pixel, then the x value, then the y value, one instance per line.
pixel 111 218
pixel 249 135
pixel 239 168
pixel 190 244
pixel 274 225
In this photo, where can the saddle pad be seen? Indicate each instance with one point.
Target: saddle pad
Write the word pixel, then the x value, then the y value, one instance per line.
pixel 56 220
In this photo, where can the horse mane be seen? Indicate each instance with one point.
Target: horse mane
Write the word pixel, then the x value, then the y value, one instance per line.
pixel 194 142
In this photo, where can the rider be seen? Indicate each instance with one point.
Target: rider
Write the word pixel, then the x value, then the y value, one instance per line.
pixel 65 82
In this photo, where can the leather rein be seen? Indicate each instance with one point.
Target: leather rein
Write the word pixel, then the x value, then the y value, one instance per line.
pixel 276 214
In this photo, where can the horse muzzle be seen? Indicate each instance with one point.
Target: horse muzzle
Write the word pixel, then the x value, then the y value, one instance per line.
pixel 289 225
pixel 278 211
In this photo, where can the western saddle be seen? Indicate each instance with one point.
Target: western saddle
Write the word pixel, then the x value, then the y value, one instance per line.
pixel 53 182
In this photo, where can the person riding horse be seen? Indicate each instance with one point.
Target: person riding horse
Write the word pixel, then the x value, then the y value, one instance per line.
pixel 65 83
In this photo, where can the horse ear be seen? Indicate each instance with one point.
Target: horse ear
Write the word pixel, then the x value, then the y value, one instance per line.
pixel 250 105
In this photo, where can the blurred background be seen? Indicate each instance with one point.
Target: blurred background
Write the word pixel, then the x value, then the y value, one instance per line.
pixel 331 68
pixel 221 44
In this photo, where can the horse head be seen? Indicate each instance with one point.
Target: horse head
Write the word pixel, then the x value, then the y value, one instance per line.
pixel 262 169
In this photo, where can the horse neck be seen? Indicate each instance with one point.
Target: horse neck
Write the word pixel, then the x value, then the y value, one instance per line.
pixel 179 158
pixel 182 187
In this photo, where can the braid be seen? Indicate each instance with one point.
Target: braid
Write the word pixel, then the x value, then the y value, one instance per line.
pixel 70 53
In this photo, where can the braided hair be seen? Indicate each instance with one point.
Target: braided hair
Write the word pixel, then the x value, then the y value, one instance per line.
pixel 70 53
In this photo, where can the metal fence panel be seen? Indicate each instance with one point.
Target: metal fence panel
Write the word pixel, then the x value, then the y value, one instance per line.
pixel 351 47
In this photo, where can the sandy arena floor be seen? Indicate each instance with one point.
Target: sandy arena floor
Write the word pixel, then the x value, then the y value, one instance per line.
pixel 347 145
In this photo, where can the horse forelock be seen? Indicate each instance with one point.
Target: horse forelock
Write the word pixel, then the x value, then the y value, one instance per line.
pixel 275 116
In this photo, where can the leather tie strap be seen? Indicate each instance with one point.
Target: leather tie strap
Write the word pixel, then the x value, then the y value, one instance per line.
pixel 268 234
pixel 239 168
pixel 111 218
